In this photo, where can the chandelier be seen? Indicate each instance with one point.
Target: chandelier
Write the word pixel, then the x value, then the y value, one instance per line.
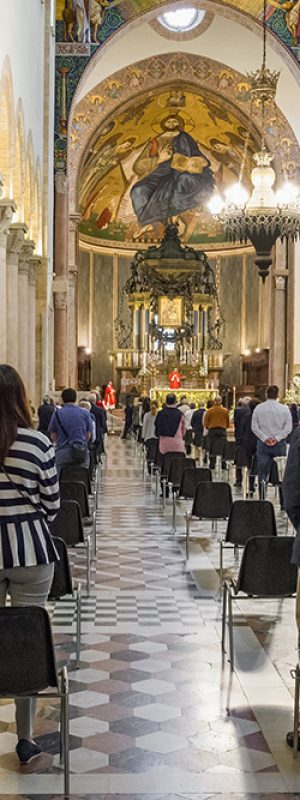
pixel 266 215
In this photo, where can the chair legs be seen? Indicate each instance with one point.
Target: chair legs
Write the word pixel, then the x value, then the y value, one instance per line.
pixel 296 675
pixel 78 625
pixel 227 610
pixel 88 565
pixel 187 538
pixel 224 614
pixel 221 562
pixel 65 747
pixel 164 493
pixel 174 512
pixel 94 535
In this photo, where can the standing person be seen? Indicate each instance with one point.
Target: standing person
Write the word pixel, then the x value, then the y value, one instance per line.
pixel 110 397
pixel 71 430
pixel 128 411
pixel 250 443
pixel 170 427
pixel 101 424
pixel 239 416
pixel 197 428
pixel 45 412
pixel 271 423
pixel 209 404
pixel 183 405
pixel 291 497
pixel 148 433
pixel 29 500
pixel 136 416
pixel 189 430
pixel 216 422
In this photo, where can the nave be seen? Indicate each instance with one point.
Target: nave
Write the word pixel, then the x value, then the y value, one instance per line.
pixel 148 714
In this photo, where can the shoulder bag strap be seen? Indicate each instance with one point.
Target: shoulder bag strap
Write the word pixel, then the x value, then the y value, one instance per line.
pixel 61 425
pixel 17 489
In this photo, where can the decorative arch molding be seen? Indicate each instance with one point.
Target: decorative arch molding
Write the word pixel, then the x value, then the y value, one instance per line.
pixel 6 126
pixel 124 87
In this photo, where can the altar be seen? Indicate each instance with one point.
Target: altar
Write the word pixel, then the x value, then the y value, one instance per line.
pixel 175 321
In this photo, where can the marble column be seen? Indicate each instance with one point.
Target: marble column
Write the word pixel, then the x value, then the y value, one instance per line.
pixel 7 208
pixel 73 300
pixel 34 264
pixel 15 241
pixel 60 283
pixel 23 308
pixel 136 326
pixel 278 321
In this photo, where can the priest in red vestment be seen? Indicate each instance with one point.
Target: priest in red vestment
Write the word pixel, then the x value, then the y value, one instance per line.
pixel 175 379
pixel 110 397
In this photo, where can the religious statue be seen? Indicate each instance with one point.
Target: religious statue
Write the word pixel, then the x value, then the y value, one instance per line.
pixel 175 379
pixel 110 398
pixel 176 175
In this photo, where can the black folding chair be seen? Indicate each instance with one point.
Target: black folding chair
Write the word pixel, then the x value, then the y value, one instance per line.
pixel 190 477
pixel 265 572
pixel 74 472
pixel 27 666
pixel 212 501
pixel 76 490
pixel 68 526
pixel 62 585
pixel 247 520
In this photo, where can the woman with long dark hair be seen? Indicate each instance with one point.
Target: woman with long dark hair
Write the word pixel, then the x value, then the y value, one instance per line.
pixel 29 499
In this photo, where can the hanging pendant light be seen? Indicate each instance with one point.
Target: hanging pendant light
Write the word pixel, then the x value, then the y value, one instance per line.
pixel 266 215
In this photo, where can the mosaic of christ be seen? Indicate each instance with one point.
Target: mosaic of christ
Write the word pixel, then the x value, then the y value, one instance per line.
pixel 160 160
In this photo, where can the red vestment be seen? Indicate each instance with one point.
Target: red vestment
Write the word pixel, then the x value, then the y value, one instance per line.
pixel 110 397
pixel 175 379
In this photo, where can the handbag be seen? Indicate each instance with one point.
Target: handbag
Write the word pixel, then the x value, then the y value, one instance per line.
pixel 78 449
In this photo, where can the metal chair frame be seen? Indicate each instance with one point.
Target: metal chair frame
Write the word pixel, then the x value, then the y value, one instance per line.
pixel 176 496
pixel 76 593
pixel 224 545
pixel 86 545
pixel 188 518
pixel 295 674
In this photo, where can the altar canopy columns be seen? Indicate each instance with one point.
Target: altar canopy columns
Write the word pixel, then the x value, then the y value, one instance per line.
pixel 15 241
pixel 278 366
pixel 197 326
pixel 73 300
pixel 60 284
pixel 146 326
pixel 204 325
pixel 136 325
pixel 7 208
pixel 24 311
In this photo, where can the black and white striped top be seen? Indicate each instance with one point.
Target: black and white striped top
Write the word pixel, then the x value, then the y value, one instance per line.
pixel 24 534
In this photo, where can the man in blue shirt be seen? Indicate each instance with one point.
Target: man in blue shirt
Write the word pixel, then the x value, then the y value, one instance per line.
pixel 71 429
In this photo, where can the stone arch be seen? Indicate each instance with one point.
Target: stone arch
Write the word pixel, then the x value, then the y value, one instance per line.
pixel 29 203
pixel 6 127
pixel 19 162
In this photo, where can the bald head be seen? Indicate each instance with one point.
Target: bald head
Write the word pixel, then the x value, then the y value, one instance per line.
pixel 93 397
pixel 218 400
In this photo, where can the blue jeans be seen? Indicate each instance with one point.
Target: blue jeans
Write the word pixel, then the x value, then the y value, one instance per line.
pixel 63 457
pixel 265 456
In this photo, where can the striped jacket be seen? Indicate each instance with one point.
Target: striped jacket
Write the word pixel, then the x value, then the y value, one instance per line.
pixel 24 534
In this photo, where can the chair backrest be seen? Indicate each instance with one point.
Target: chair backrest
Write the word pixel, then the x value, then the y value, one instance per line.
pixel 74 472
pixel 167 458
pixel 229 452
pixel 177 466
pixel 212 500
pixel 190 479
pixel 247 520
pixel 68 523
pixel 76 490
pixel 266 569
pixel 28 662
pixel 152 445
pixel 62 578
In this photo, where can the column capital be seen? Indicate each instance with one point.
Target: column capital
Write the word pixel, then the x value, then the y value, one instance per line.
pixel 15 237
pixel 61 301
pixel 34 263
pixel 7 208
pixel 74 220
pixel 280 282
pixel 73 277
pixel 61 183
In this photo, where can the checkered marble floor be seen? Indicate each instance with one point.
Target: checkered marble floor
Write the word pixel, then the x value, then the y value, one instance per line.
pixel 153 712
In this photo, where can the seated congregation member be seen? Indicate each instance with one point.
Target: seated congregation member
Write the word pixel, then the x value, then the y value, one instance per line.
pixel 71 430
pixel 271 423
pixel 170 427
pixel 291 498
pixel 216 422
pixel 45 412
pixel 29 500
pixel 148 432
pixel 197 428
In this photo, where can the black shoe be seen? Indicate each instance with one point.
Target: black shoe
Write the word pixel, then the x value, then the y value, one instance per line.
pixel 26 751
pixel 290 739
pixel 237 485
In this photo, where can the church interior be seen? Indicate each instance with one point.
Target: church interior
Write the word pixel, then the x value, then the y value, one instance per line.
pixel 149 243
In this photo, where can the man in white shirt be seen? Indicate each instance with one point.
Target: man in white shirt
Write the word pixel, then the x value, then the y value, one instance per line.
pixel 271 423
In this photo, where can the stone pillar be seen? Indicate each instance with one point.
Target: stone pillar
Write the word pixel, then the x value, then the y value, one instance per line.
pixel 73 300
pixel 7 208
pixel 136 326
pixel 34 263
pixel 60 284
pixel 15 241
pixel 24 310
pixel 278 321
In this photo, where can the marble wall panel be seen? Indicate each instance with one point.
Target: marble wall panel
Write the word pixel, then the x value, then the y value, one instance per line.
pixel 102 319
pixel 83 298
pixel 124 273
pixel 252 303
pixel 231 302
